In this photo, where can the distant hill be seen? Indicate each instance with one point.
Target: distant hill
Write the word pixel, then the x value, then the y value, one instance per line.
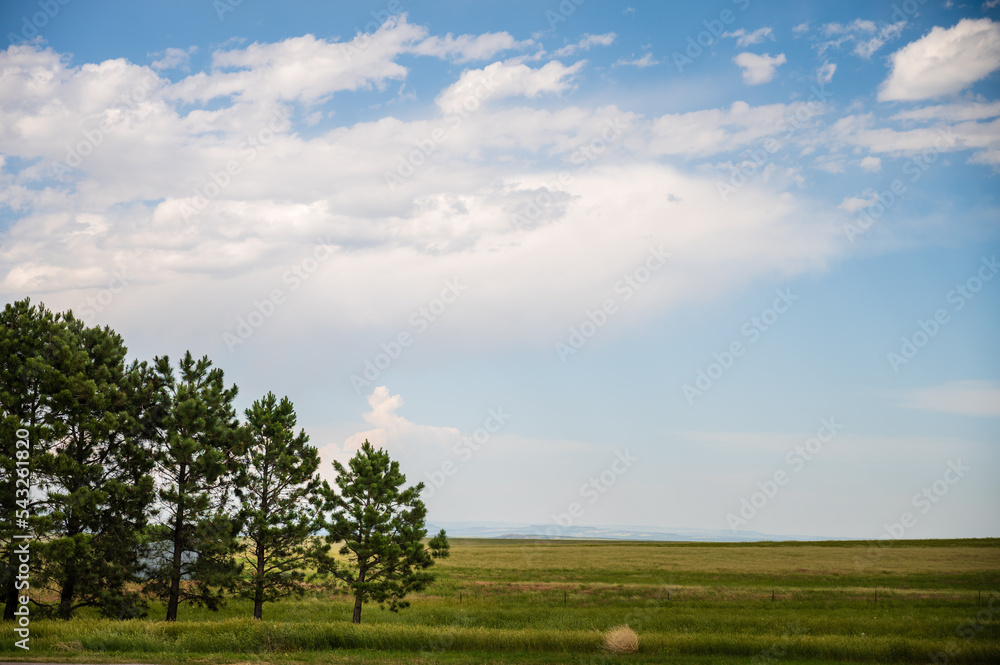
pixel 603 532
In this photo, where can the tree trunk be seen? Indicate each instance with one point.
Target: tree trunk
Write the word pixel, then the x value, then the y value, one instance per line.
pixel 175 568
pixel 260 549
pixel 358 595
pixel 10 593
pixel 67 592
pixel 357 608
pixel 71 574
pixel 175 578
pixel 258 597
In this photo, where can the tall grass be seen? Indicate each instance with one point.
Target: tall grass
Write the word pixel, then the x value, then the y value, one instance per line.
pixel 688 604
pixel 143 639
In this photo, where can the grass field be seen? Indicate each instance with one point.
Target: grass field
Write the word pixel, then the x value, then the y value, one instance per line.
pixel 511 601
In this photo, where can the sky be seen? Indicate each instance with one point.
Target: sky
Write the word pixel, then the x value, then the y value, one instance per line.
pixel 724 265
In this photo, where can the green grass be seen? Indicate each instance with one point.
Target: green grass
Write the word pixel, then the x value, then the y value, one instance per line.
pixel 510 601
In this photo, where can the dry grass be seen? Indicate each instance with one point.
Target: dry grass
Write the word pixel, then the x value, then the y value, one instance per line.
pixel 621 639
pixel 848 559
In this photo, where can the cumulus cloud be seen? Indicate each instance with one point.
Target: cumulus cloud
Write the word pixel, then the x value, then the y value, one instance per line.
pixel 944 61
pixel 191 278
pixel 123 206
pixel 392 431
pixel 758 69
pixel 416 447
pixel 966 398
pixel 506 79
pixel 46 105
pixel 453 464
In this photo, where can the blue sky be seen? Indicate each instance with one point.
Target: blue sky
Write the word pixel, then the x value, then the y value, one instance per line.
pixel 554 222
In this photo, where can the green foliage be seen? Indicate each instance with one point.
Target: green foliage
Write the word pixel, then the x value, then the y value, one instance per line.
pixel 380 526
pixel 68 385
pixel 194 541
pixel 282 496
pixel 95 477
pixel 439 545
pixel 29 337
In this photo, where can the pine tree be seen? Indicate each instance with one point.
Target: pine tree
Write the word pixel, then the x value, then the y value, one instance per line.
pixel 95 477
pixel 28 335
pixel 381 527
pixel 195 541
pixel 283 501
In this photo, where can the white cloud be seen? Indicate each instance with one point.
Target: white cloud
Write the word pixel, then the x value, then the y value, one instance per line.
pixel 871 164
pixel 190 280
pixel 454 464
pixel 702 133
pixel 857 130
pixel 417 448
pixel 829 163
pixel 465 48
pixel 46 105
pixel 304 68
pixel 174 58
pixel 744 38
pixel 392 431
pixel 643 62
pixel 585 43
pixel 858 25
pixel 826 72
pixel 868 37
pixel 801 29
pixel 506 79
pixel 122 206
pixel 758 69
pixel 989 155
pixel 944 61
pixel 967 398
pixel 854 203
pixel 867 48
pixel 959 112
